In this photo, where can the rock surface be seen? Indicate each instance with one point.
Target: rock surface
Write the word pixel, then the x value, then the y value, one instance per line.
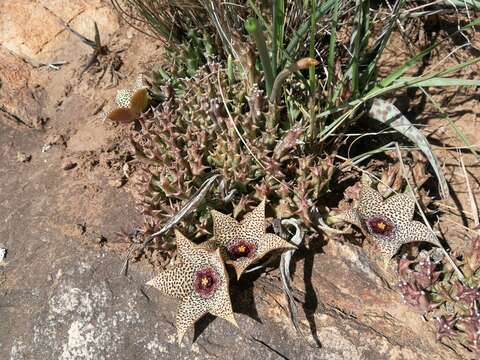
pixel 61 292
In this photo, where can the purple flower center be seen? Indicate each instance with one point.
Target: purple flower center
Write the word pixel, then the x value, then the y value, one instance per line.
pixel 240 249
pixel 206 282
pixel 379 225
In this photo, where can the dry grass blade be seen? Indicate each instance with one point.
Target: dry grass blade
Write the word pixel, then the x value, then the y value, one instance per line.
pixel 285 271
pixel 471 197
pixel 190 206
pixel 447 255
pixel 389 114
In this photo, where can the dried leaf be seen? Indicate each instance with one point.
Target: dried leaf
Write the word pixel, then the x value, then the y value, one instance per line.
pixel 285 271
pixel 388 114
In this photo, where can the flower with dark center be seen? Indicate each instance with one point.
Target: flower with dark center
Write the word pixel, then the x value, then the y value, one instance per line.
pixel 380 226
pixel 206 282
pixel 244 242
pixel 241 248
pixel 199 282
pixel 388 222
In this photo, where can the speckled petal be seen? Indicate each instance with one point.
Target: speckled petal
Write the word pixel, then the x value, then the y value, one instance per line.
pixel 240 265
pixel 351 216
pixel 184 246
pixel 371 201
pixel 222 307
pixel 173 282
pixel 225 228
pixel 123 98
pixel 400 207
pixel 253 224
pixel 273 242
pixel 189 310
pixel 415 231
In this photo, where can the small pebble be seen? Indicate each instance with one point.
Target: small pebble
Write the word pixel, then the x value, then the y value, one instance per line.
pixel 117 183
pixel 23 157
pixel 68 165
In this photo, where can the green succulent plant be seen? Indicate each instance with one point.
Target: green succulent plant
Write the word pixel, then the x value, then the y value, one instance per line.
pixel 225 128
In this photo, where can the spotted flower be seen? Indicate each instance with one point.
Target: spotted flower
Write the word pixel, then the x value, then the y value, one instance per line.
pixel 388 222
pixel 199 282
pixel 245 242
pixel 130 103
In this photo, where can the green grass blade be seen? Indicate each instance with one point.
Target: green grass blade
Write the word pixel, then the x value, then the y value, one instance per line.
pixel 382 41
pixel 252 26
pixel 331 48
pixel 302 30
pixel 399 71
pixel 277 31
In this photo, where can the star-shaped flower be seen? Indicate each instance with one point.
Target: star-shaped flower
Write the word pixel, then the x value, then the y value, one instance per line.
pixel 245 242
pixel 200 282
pixel 388 222
pixel 130 103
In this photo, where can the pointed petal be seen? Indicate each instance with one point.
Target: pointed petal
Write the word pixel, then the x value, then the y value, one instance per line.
pixel 253 224
pixel 189 311
pixel 210 244
pixel 122 115
pixel 240 265
pixel 184 246
pixel 222 306
pixel 225 228
pixel 415 231
pixel 139 101
pixel 173 282
pixel 351 216
pixel 400 207
pixel 370 201
pixel 139 83
pixel 272 242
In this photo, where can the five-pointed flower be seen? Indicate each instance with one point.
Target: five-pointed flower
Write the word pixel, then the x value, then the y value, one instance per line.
pixel 199 282
pixel 245 242
pixel 130 103
pixel 388 222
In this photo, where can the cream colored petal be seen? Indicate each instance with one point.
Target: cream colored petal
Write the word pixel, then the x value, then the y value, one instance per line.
pixel 351 216
pixel 184 246
pixel 371 201
pixel 271 242
pixel 189 310
pixel 400 207
pixel 415 231
pixel 173 282
pixel 225 228
pixel 123 98
pixel 253 224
